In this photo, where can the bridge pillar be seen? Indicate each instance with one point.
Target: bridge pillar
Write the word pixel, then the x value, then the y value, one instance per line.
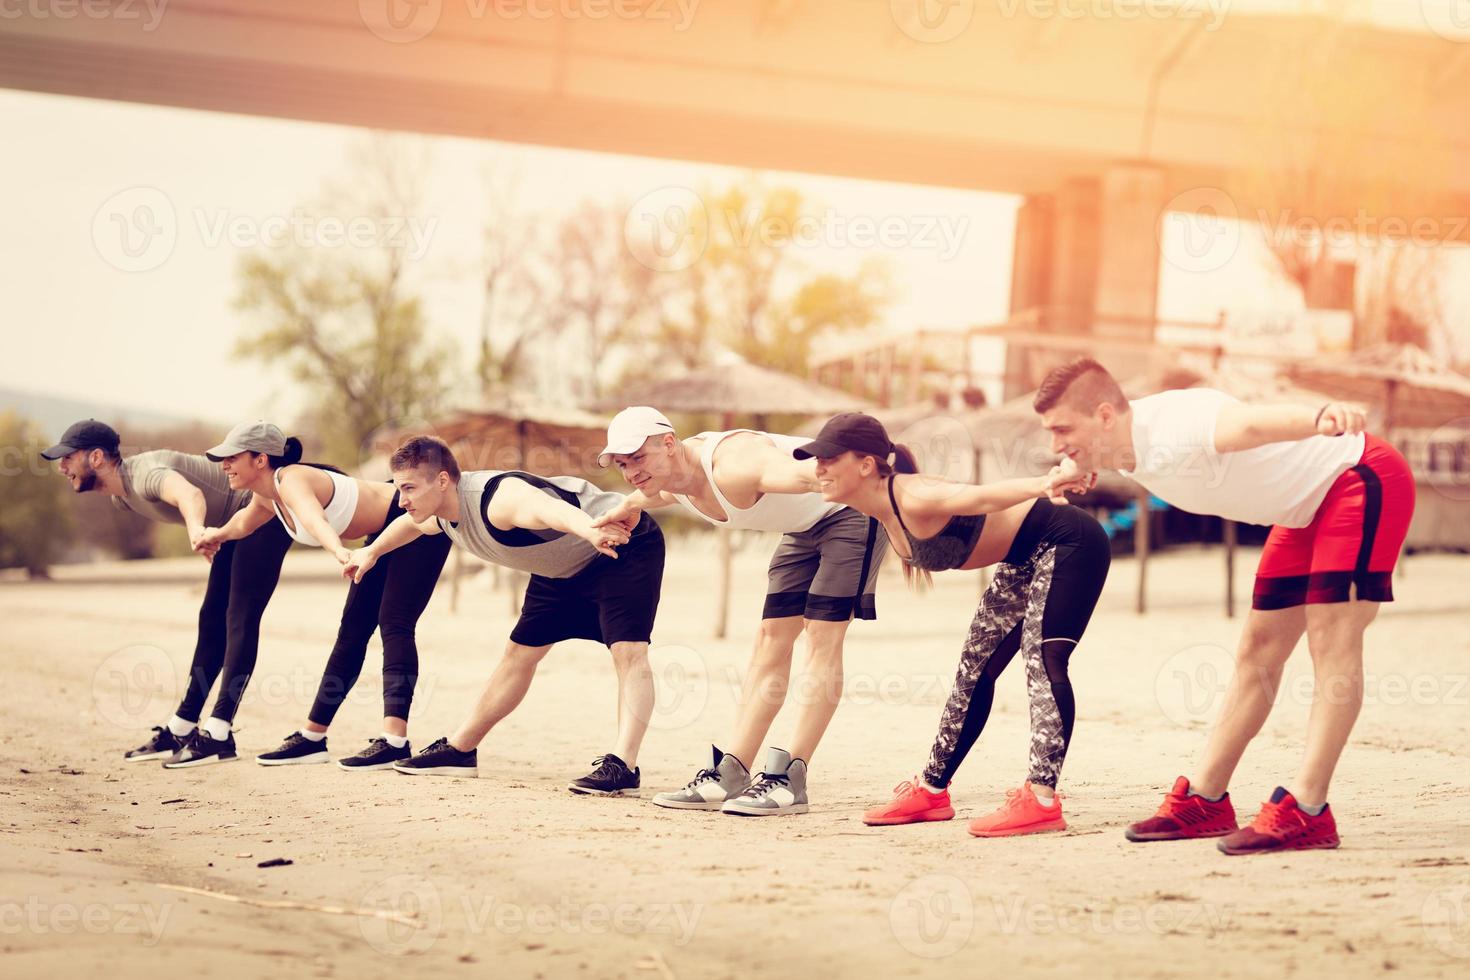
pixel 1086 260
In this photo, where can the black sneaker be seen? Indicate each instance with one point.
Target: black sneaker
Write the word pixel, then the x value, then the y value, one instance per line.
pixel 440 759
pixel 164 744
pixel 202 750
pixel 296 750
pixel 379 754
pixel 609 777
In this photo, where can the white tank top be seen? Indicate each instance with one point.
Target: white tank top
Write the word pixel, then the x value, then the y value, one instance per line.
pixel 339 510
pixel 785 512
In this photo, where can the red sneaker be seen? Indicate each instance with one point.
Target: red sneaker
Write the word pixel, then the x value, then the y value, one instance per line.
pixel 1184 817
pixel 1282 825
pixel 1021 813
pixel 911 803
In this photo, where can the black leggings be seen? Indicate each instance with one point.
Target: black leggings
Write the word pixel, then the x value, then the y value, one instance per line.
pixel 390 598
pixel 1039 602
pixel 241 580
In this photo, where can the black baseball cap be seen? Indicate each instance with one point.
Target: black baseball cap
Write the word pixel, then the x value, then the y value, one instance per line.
pixel 848 432
pixel 86 434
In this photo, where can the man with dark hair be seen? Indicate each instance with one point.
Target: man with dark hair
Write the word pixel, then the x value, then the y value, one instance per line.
pixel 1339 501
pixel 181 488
pixel 544 526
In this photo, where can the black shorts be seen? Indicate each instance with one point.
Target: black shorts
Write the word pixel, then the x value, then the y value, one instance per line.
pixel 612 600
pixel 828 572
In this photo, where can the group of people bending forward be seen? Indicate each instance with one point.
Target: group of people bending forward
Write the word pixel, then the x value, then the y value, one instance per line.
pixel 1339 501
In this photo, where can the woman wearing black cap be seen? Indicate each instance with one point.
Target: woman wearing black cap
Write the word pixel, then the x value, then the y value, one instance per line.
pixel 1051 561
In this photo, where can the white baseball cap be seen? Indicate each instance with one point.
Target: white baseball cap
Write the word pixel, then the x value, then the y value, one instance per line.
pixel 630 429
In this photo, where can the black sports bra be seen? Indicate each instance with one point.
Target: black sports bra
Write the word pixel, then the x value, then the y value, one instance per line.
pixel 950 548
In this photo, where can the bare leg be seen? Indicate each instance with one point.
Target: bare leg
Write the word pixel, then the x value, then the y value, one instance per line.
pixel 635 698
pixel 505 689
pixel 764 690
pixel 1267 641
pixel 1335 638
pixel 824 675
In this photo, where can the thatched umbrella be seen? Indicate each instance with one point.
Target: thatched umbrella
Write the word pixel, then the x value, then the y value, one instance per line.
pixel 1411 388
pixel 731 388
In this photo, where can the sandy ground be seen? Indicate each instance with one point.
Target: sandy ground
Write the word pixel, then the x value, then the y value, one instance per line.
pixel 512 871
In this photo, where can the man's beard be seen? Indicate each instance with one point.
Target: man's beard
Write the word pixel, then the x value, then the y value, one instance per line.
pixel 87 481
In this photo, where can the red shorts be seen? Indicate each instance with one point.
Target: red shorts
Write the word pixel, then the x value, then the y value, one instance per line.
pixel 1352 543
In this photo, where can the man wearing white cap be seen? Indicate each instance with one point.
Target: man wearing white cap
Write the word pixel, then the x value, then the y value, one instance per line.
pixel 822 576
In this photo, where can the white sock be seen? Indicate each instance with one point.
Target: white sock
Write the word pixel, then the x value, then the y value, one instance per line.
pixel 924 784
pixel 181 726
pixel 217 729
pixel 397 741
pixel 312 736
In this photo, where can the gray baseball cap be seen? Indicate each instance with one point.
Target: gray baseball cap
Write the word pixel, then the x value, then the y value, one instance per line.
pixel 251 437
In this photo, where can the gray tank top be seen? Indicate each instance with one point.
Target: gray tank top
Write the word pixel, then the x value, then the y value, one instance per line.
pixel 142 482
pixel 550 554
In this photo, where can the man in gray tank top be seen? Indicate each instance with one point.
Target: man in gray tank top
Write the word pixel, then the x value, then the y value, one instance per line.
pixel 588 582
pixel 182 488
pixel 822 576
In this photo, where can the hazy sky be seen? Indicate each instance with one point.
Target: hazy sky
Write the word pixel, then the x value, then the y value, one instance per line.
pixel 127 224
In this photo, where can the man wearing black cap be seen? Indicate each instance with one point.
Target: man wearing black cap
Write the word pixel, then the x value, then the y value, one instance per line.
pixel 181 488
pixel 823 575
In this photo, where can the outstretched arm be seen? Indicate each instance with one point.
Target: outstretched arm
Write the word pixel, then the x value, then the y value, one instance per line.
pixel 929 496
pixel 297 494
pixel 246 520
pixel 785 474
pixel 634 504
pixel 518 504
pixel 189 499
pixel 1240 426
pixel 403 530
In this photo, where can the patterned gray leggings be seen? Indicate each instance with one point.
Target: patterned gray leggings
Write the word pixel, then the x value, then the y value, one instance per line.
pixel 1041 609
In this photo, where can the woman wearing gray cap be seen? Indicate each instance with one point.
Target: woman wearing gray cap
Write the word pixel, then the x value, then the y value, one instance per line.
pixel 184 488
pixel 320 506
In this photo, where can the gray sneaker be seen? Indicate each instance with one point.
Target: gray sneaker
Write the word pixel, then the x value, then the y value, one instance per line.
pixel 778 790
pixel 710 788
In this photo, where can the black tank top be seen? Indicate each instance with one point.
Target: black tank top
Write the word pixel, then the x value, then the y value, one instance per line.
pixel 950 548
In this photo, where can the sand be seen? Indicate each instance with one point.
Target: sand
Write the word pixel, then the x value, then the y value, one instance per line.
pixel 510 872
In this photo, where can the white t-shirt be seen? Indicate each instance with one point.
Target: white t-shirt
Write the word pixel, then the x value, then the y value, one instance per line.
pixel 1278 483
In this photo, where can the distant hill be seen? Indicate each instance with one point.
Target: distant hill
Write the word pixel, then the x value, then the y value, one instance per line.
pixel 54 413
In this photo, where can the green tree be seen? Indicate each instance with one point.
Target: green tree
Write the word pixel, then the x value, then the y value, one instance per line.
pixel 36 522
pixel 345 322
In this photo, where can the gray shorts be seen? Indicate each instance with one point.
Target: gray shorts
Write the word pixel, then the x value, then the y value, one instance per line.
pixel 829 571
